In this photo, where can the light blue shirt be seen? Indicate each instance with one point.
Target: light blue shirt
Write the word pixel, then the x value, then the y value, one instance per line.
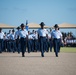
pixel 17 34
pixel 42 32
pixel 30 36
pixel 23 33
pixel 49 35
pixel 36 36
pixel 12 36
pixel 56 34
pixel 33 36
pixel 1 35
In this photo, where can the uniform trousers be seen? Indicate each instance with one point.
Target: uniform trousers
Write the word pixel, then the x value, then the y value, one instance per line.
pixel 1 45
pixel 50 44
pixel 36 45
pixel 18 45
pixel 33 45
pixel 4 45
pixel 56 43
pixel 9 46
pixel 42 45
pixel 23 45
pixel 29 45
pixel 13 46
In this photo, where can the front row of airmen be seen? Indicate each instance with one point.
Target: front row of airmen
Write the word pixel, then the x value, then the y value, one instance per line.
pixel 37 41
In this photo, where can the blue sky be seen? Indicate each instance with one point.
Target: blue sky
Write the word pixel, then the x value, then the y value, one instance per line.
pixel 15 12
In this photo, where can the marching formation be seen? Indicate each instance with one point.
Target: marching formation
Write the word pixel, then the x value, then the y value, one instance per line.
pixel 22 40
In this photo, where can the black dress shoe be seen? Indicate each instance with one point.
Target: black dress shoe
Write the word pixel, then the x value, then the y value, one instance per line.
pixel 18 52
pixel 0 52
pixel 28 52
pixel 56 55
pixel 50 51
pixel 13 51
pixel 23 55
pixel 42 55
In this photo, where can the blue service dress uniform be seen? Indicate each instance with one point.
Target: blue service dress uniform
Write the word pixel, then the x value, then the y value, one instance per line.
pixel 23 37
pixel 13 42
pixel 56 35
pixel 30 43
pixel 50 42
pixel 1 41
pixel 17 41
pixel 42 39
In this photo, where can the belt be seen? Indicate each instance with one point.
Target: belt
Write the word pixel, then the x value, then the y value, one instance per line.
pixel 56 38
pixel 42 36
pixel 0 38
pixel 23 38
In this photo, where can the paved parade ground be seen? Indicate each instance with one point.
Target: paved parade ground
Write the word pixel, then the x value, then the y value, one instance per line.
pixel 34 64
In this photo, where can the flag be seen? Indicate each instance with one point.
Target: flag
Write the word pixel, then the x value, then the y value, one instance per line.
pixel 26 27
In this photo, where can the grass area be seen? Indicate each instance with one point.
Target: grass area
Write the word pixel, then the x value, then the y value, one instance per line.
pixel 68 49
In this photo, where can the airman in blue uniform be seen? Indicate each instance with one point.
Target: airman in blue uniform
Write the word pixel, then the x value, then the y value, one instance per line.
pixel 42 32
pixel 23 37
pixel 57 36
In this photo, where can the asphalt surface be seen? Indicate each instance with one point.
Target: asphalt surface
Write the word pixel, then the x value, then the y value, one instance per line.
pixel 34 64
